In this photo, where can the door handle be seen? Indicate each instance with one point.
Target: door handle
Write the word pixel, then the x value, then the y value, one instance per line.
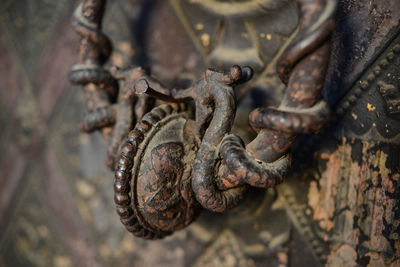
pixel 171 161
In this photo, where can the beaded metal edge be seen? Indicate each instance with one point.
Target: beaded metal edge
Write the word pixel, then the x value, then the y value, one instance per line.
pixel 123 191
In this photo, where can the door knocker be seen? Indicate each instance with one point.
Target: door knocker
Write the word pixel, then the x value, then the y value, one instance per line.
pixel 173 159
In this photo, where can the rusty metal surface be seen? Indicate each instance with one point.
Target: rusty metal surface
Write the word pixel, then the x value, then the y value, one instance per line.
pixel 151 169
pixel 215 109
pixel 214 99
pixel 56 206
pixel 100 86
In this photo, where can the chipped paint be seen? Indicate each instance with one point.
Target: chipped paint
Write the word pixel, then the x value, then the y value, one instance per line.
pixel 355 200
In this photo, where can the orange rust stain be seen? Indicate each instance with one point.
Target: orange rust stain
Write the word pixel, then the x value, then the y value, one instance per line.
pixel 227 183
pixel 313 195
pixel 323 201
pixel 241 173
pixel 325 156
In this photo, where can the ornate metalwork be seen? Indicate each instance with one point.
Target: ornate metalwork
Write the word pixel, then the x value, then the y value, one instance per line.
pixel 114 118
pixel 174 161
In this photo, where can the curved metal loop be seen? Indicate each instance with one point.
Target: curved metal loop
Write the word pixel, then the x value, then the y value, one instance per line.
pixel 215 112
pixel 223 165
pixel 265 161
pixel 239 168
pixel 124 196
pixel 94 49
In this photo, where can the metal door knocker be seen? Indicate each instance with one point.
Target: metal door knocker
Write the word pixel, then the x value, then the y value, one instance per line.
pixel 172 160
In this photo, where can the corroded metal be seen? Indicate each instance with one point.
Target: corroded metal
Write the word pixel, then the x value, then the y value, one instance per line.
pixel 266 162
pixel 172 163
pixel 215 111
pixel 152 180
pixel 113 104
pixel 338 206
pixel 94 49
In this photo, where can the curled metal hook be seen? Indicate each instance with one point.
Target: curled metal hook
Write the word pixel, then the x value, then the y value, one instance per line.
pixel 216 165
pixel 215 112
pixel 266 161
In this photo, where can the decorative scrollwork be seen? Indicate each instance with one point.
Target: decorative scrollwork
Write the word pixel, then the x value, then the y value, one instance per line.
pixel 171 163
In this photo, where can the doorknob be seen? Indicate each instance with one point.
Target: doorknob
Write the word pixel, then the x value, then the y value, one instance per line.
pixel 172 160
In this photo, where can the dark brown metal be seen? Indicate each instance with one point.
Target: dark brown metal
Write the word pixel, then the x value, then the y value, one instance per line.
pixel 99 86
pixel 94 50
pixel 170 164
pixel 215 111
pixel 338 206
pixel 113 109
pixel 265 162
pixel 152 178
pixel 307 75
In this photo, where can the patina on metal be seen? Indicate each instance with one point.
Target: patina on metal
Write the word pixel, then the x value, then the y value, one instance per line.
pixel 113 108
pixel 152 177
pixel 339 204
pixel 165 170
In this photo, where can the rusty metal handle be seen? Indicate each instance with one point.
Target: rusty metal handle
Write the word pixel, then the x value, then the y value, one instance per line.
pixel 222 166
